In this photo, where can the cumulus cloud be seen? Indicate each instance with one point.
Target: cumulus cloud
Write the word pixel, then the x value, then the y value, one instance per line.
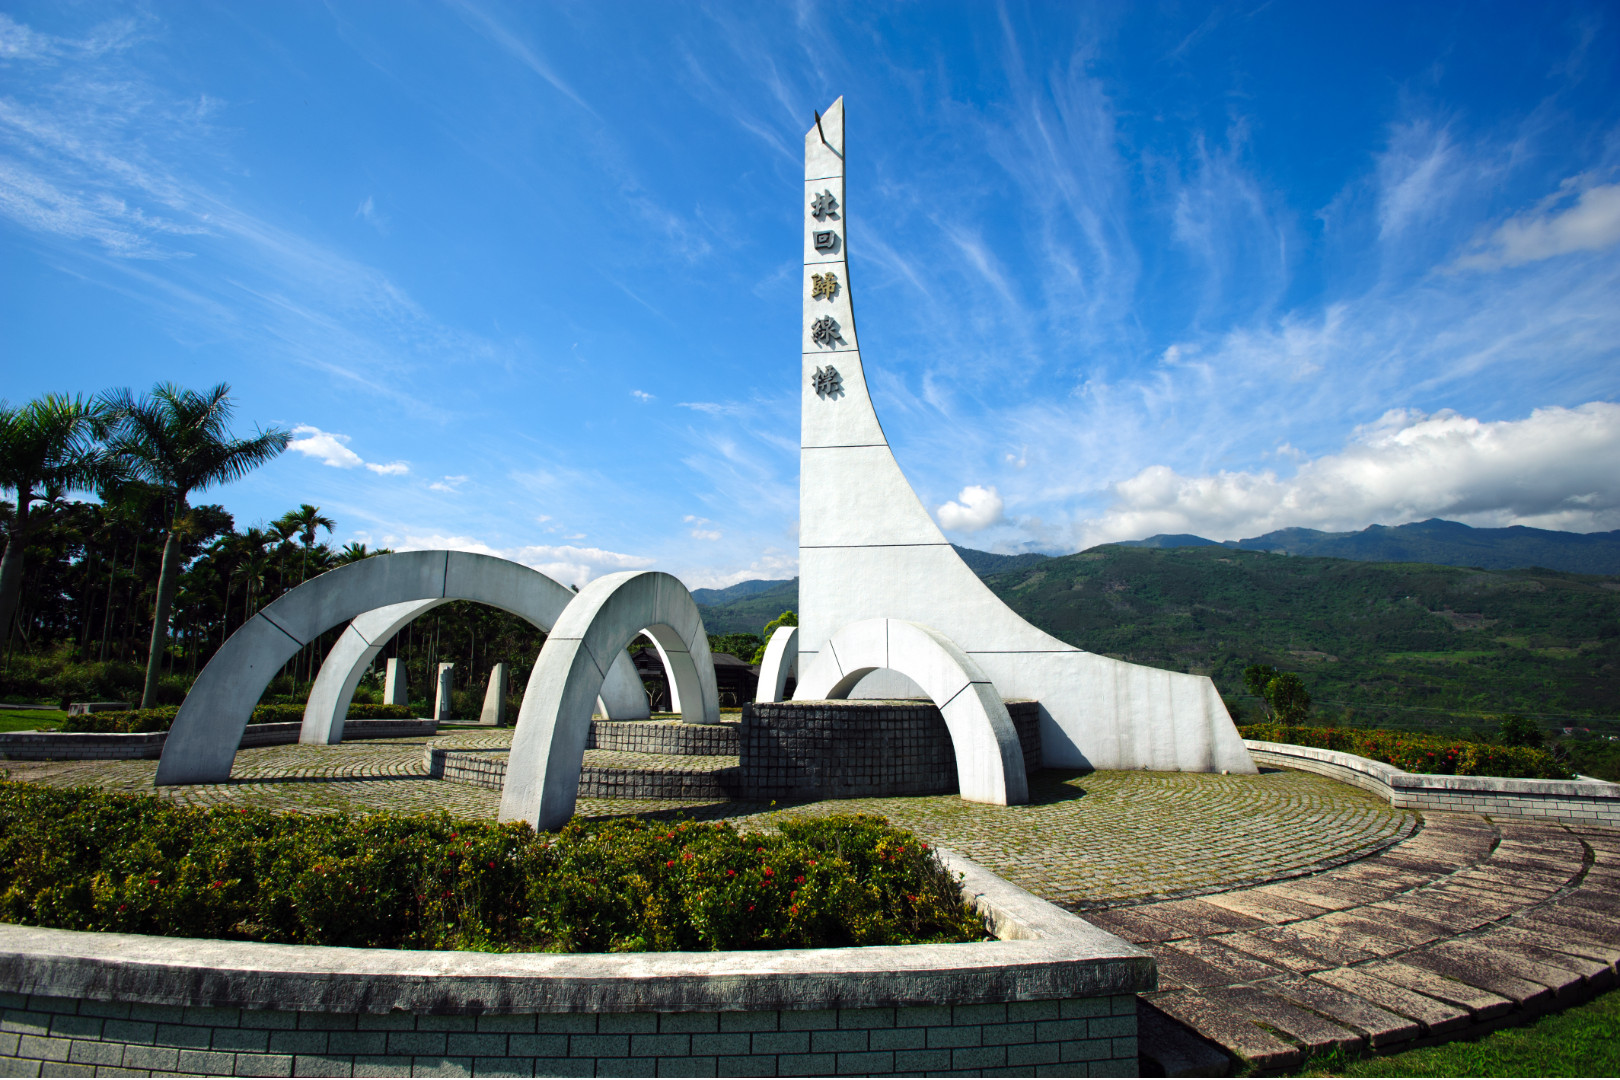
pixel 974 509
pixel 561 562
pixel 1553 228
pixel 773 565
pixel 1557 468
pixel 699 528
pixel 330 448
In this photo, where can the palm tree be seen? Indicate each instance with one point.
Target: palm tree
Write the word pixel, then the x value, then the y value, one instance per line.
pixel 302 523
pixel 47 445
pixel 180 440
pixel 353 552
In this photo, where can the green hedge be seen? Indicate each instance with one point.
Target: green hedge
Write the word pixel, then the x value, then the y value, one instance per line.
pixel 160 718
pixel 84 859
pixel 1436 754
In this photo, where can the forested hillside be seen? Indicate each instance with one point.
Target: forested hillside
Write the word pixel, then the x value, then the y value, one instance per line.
pixel 1395 643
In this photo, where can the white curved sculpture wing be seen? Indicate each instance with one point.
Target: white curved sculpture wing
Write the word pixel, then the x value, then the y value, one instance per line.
pixel 202 742
pixel 548 746
pixel 868 548
pixel 781 661
pixel 989 760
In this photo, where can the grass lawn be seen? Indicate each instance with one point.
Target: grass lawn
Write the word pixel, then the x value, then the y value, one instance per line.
pixel 1583 1041
pixel 31 719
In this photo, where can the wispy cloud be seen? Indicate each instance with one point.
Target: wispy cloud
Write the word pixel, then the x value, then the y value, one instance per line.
pixel 333 450
pixel 1576 218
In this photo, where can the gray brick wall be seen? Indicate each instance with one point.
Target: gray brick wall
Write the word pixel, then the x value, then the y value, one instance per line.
pixel 1072 1037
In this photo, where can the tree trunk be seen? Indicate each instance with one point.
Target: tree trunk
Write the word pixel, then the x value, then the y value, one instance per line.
pixel 168 582
pixel 11 566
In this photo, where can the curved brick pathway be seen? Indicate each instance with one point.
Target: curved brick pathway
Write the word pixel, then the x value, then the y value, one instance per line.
pixel 1465 923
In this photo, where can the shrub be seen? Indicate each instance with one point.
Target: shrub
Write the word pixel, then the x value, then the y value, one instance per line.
pixel 1519 730
pixel 160 718
pixel 90 860
pixel 1434 754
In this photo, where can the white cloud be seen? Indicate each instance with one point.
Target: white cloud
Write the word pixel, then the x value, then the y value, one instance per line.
pixel 449 485
pixel 564 563
pixel 974 509
pixel 332 449
pixel 773 565
pixel 641 396
pixel 1557 468
pixel 698 530
pixel 1591 224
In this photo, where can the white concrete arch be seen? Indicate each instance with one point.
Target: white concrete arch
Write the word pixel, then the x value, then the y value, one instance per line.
pixel 206 732
pixel 548 745
pixel 989 760
pixel 781 661
pixel 622 695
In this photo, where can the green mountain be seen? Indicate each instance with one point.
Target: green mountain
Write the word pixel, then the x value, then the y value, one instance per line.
pixel 1385 641
pixel 1445 543
pixel 746 607
pixel 1402 644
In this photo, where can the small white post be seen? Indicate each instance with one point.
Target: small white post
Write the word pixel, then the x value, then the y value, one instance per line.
pixel 394 685
pixel 494 714
pixel 441 704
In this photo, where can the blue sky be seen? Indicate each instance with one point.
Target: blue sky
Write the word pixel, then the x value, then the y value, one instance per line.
pixel 523 276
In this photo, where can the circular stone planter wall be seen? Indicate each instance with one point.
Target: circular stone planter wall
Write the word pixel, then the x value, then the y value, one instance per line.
pixel 1052 990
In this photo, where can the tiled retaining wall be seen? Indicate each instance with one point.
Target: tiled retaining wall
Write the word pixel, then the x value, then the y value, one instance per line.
pixel 1577 801
pixel 664 737
pixel 849 749
pixel 1072 1037
pixel 90 745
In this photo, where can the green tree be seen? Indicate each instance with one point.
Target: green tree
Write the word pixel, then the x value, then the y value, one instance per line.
pixel 180 441
pixel 47 448
pixel 1288 698
pixel 787 618
pixel 1519 730
pixel 1255 679
pixel 302 523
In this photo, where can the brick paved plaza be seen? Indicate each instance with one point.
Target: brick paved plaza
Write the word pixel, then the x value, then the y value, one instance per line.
pixel 1083 840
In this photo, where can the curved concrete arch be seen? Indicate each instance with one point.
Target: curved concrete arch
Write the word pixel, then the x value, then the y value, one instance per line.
pixel 989 760
pixel 208 728
pixel 622 698
pixel 781 660
pixel 548 745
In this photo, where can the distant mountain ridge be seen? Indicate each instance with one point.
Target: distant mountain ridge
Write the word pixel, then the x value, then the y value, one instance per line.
pixel 1436 541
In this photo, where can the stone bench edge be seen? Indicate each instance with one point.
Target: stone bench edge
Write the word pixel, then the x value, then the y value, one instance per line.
pixel 1042 952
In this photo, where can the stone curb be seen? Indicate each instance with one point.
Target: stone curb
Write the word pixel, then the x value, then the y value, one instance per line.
pixel 92 745
pixel 1576 801
pixel 1044 952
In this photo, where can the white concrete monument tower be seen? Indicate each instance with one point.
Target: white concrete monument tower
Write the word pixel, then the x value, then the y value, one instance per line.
pixel 868 549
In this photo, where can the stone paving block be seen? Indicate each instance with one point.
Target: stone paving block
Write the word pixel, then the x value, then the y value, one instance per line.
pixel 1562 938
pixel 898 1039
pixel 807 1065
pixel 263 1064
pixel 432 1065
pixel 1273 952
pixel 503 1066
pixel 65 1026
pixel 43 1047
pixel 922 1016
pixel 836 1042
pixel 380 1065
pixel 1379 1026
pixel 1560 979
pixel 1264 907
pixel 808 1019
pixel 1231 1031
pixel 191 1036
pixel 322 1065
pixel 688 1066
pixel 1446 983
pixel 28 1023
pixel 566 1067
pixel 925 1062
pixel 1322 891
pixel 1312 1032
pixel 241 1040
pixel 1206 918
pixel 153 1058
pixel 1436 1017
pixel 446 1022
pixel 208 1062
pixel 109 1010
pixel 468 1044
pixel 781 1042
pixel 1028 1011
pixel 1133 926
pixel 1234 966
pixel 746 1066
pixel 979 1057
pixel 63 1068
pixel 88 1052
pixel 748 1021
pixel 417 1043
pixel 298 1042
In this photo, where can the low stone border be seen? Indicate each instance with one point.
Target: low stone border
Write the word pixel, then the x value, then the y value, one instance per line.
pixel 90 745
pixel 1054 993
pixel 664 737
pixel 1585 802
